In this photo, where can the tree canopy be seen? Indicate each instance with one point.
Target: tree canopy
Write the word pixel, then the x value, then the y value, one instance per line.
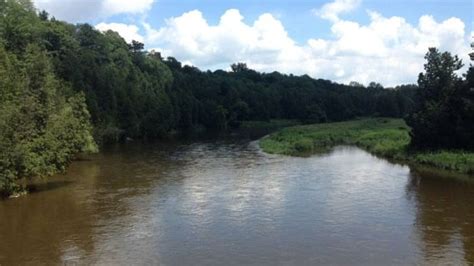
pixel 43 122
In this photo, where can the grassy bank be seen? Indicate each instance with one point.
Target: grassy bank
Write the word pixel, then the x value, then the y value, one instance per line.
pixel 381 136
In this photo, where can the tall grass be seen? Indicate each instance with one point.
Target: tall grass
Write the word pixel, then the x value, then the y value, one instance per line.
pixel 382 136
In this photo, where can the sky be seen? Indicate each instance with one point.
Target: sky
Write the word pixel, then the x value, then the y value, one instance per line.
pixel 341 40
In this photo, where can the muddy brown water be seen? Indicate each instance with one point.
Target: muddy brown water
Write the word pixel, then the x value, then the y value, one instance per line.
pixel 227 203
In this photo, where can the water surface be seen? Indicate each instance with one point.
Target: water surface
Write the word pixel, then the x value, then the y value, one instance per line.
pixel 227 203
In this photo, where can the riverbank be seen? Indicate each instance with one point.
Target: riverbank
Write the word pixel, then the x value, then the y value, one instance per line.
pixel 385 137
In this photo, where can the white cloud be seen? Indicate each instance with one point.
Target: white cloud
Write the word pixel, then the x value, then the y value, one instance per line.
pixel 331 11
pixel 128 32
pixel 190 37
pixel 388 49
pixel 126 6
pixel 84 10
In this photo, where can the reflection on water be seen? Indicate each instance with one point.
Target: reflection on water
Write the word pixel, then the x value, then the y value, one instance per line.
pixel 228 203
pixel 444 218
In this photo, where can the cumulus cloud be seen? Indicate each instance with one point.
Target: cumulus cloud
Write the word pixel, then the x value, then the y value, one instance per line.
pixel 331 11
pixel 84 10
pixel 388 49
pixel 190 37
pixel 128 32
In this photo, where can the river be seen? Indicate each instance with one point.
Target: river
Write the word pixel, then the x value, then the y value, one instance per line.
pixel 227 203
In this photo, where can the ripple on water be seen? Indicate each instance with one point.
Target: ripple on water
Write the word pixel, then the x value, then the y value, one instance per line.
pixel 230 203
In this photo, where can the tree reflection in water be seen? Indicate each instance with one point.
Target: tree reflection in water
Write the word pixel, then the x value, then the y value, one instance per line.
pixel 445 216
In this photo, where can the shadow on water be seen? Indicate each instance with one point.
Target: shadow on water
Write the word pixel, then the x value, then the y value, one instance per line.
pixel 61 220
pixel 38 186
pixel 53 222
pixel 444 216
pixel 47 186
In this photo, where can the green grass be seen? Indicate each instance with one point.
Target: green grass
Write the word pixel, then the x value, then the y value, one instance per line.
pixel 381 136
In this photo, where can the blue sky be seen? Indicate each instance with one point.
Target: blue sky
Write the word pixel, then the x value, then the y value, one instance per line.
pixel 297 15
pixel 341 40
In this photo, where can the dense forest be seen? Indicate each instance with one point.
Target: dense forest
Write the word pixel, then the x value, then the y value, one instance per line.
pixel 66 87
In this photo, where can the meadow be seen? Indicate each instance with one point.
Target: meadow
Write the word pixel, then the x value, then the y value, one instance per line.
pixel 384 137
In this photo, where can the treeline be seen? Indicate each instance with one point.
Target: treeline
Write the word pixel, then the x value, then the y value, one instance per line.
pixel 221 99
pixel 66 87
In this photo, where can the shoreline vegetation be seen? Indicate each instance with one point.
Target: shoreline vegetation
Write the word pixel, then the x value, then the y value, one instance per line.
pixel 67 89
pixel 385 137
pixel 70 88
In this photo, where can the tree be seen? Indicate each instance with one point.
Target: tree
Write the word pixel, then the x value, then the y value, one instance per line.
pixel 136 46
pixel 435 112
pixel 43 123
pixel 43 15
pixel 356 84
pixel 315 114
pixel 239 67
pixel 375 85
pixel 18 24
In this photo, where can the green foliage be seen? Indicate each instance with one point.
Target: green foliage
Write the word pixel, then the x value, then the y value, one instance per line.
pixel 366 133
pixel 244 94
pixel 43 123
pixel 42 127
pixel 18 24
pixel 443 116
pixel 382 136
pixel 460 161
